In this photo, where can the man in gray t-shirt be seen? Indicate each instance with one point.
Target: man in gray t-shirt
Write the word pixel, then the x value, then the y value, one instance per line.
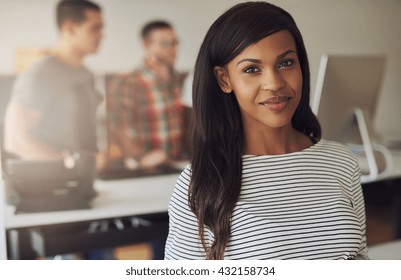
pixel 53 104
pixel 68 101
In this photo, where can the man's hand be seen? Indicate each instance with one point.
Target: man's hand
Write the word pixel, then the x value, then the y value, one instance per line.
pixel 19 139
pixel 153 159
pixel 101 161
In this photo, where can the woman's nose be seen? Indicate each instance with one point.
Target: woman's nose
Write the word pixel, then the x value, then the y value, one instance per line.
pixel 272 81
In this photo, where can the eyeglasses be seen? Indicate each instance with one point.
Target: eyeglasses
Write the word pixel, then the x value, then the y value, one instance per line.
pixel 169 44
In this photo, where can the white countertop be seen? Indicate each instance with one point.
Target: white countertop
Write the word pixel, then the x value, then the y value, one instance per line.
pixel 116 198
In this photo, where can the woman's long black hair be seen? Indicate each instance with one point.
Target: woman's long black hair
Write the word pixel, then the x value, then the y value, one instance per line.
pixel 217 131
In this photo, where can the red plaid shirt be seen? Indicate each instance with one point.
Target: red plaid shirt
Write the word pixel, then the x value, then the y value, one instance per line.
pixel 145 113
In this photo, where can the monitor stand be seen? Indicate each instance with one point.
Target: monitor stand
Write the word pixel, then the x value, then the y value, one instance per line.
pixel 368 148
pixel 366 143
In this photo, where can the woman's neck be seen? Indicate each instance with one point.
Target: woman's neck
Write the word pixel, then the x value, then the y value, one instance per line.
pixel 275 141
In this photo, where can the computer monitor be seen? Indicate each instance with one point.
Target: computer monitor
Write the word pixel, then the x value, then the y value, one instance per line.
pixel 6 84
pixel 345 98
pixel 344 83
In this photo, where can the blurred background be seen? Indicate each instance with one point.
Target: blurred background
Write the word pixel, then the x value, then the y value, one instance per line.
pixel 334 27
pixel 356 27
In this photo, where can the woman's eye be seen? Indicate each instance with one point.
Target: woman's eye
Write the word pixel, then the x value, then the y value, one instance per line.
pixel 286 63
pixel 251 69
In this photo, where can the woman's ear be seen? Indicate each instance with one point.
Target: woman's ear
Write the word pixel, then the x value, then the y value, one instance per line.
pixel 223 79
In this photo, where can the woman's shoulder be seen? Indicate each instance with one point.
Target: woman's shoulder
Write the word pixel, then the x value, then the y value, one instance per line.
pixel 326 150
pixel 187 171
pixel 325 144
pixel 184 178
pixel 335 149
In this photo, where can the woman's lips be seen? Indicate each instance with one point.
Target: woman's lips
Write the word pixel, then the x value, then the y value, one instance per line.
pixel 276 103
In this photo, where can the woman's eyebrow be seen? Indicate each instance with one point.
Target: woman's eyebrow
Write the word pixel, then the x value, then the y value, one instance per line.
pixel 253 60
pixel 258 61
pixel 284 54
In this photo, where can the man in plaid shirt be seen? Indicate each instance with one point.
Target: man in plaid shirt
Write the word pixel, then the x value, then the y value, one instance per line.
pixel 146 116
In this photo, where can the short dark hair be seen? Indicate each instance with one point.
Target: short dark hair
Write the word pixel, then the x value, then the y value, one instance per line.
pixel 74 10
pixel 153 25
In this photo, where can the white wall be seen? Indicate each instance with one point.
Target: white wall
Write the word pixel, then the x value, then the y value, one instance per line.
pixel 341 27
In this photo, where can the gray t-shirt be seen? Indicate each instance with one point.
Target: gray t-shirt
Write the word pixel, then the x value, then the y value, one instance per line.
pixel 68 100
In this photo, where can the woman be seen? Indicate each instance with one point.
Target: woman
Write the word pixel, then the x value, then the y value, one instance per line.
pixel 262 184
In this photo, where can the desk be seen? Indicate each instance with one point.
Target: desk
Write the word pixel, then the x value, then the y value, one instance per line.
pixel 391 183
pixel 143 201
pixel 3 244
pixel 392 173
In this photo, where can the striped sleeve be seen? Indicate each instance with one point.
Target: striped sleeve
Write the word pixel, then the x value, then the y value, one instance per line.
pixel 182 241
pixel 359 203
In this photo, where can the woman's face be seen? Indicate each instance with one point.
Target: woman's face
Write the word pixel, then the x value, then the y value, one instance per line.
pixel 266 79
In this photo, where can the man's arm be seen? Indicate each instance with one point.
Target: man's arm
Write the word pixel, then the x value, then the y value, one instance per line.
pixel 121 116
pixel 19 140
pixel 127 130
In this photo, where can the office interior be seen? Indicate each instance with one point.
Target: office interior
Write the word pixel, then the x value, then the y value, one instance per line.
pixel 356 27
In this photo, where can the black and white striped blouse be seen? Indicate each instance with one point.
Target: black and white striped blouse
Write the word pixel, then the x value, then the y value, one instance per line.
pixel 303 205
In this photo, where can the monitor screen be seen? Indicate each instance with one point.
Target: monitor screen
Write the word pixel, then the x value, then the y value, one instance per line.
pixel 6 84
pixel 345 83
